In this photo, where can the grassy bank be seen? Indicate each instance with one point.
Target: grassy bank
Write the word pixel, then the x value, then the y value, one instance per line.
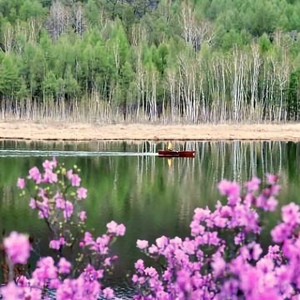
pixel 82 131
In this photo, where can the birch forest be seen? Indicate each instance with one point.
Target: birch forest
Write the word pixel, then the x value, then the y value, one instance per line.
pixel 159 61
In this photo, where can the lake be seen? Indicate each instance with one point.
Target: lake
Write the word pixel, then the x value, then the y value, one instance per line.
pixel 152 196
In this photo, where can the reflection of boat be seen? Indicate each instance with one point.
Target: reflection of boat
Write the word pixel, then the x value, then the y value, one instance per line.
pixel 173 153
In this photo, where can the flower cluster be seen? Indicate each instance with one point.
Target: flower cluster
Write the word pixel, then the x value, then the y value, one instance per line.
pixel 17 247
pixel 53 197
pixel 223 259
pixel 57 198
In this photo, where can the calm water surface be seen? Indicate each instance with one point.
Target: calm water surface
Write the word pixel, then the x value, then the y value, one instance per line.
pixel 152 196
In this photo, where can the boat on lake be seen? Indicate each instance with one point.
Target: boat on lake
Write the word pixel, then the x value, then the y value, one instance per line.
pixel 174 153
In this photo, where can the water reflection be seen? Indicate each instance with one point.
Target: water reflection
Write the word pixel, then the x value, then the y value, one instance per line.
pixel 152 196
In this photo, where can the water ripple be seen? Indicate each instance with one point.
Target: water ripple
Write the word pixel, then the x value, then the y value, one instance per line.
pixel 40 153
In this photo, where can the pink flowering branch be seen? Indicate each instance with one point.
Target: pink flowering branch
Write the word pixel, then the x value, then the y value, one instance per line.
pixel 57 197
pixel 222 253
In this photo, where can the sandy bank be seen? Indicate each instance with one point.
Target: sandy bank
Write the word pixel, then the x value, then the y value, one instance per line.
pixel 62 131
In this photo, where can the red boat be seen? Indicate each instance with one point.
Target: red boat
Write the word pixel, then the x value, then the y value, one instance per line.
pixel 173 153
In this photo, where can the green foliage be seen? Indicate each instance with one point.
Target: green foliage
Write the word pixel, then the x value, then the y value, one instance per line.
pixel 50 84
pixel 265 43
pixel 234 39
pixel 31 9
pixel 9 76
pixel 126 51
pixel 9 9
pixel 293 104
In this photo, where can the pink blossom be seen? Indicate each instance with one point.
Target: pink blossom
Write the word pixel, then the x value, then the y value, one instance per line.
pixel 142 280
pixel 33 293
pixel 184 281
pixel 139 265
pixel 121 230
pixel 78 289
pixel 43 208
pixel 256 251
pixel 82 193
pixel 253 185
pixel 108 293
pixel 291 249
pixel 101 244
pixel 218 264
pixel 281 232
pixel 107 262
pixel 100 274
pixel 82 216
pixel 22 281
pixel 70 174
pixel 35 175
pixel 75 180
pixel 188 247
pixel 228 188
pixel 54 283
pixel 266 265
pixel 162 242
pixel 201 214
pixel 12 292
pixel 196 228
pixel 54 162
pixel 271 204
pixel 54 244
pixel 275 189
pixel 88 238
pixel 153 249
pixel 68 210
pixel 142 244
pixel 42 193
pixel 49 176
pixel 32 203
pixel 90 273
pixel 45 270
pixel 239 238
pixel 17 247
pixel 273 252
pixel 272 178
pixel 21 183
pixel 284 273
pixel 114 228
pixel 249 280
pixel 64 266
pixel 50 164
pixel 212 238
pixel 62 240
pixel 60 203
pixel 267 294
pixel 150 272
pixel 291 214
pixel 167 275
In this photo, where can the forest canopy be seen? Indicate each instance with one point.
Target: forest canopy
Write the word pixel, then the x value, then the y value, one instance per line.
pixel 136 60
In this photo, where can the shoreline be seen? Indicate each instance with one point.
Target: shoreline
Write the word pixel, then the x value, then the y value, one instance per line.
pixel 58 131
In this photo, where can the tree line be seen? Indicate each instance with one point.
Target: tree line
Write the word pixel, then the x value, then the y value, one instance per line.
pixel 147 60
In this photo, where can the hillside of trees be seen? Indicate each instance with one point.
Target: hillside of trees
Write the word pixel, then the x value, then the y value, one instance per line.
pixel 150 60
